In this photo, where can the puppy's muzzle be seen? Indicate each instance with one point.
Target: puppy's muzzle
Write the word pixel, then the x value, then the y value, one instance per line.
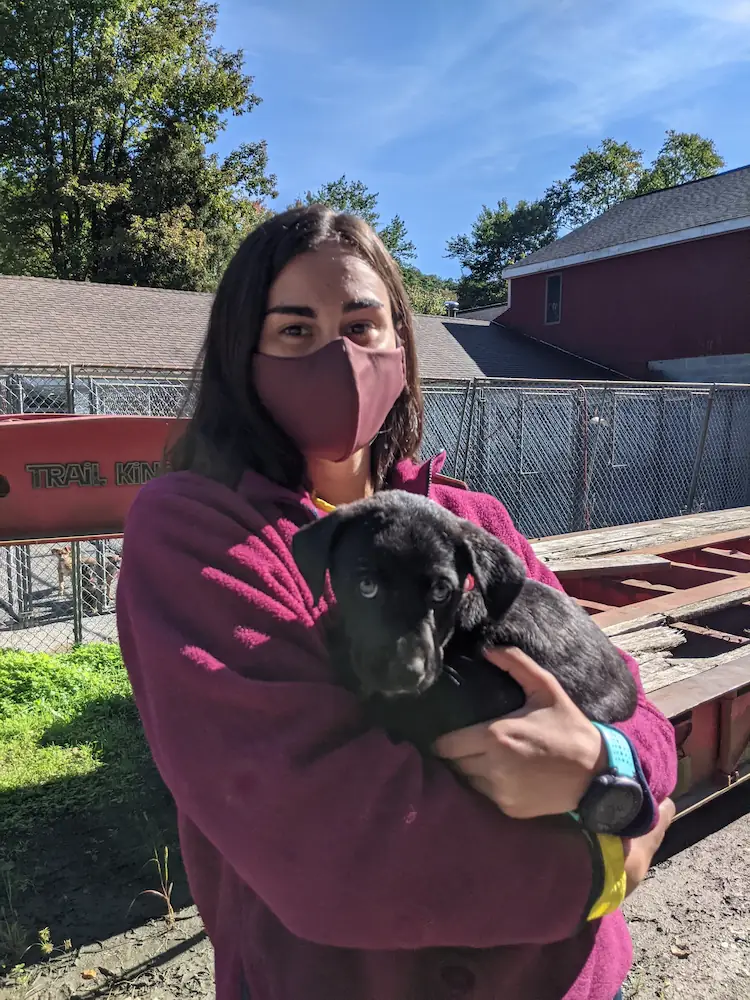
pixel 414 666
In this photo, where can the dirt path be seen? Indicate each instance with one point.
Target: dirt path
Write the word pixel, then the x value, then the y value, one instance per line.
pixel 690 924
pixel 690 921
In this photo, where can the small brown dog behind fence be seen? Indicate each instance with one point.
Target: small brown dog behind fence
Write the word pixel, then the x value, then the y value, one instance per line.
pixel 89 566
pixel 64 556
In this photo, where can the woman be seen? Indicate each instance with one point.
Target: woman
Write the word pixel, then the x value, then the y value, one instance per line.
pixel 327 862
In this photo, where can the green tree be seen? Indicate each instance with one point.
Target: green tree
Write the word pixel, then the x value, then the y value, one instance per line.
pixel 599 179
pixel 499 237
pixel 614 171
pixel 106 110
pixel 397 241
pixel 427 292
pixel 684 156
pixel 354 198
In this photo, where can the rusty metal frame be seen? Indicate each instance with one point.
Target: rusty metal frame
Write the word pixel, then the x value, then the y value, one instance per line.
pixel 669 604
pixel 710 712
pixel 711 717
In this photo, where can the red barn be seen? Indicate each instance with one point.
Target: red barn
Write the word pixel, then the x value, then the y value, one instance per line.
pixel 656 287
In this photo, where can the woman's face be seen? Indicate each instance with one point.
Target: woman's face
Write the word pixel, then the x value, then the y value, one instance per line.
pixel 323 295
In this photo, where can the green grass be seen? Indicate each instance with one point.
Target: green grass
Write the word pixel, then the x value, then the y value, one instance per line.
pixel 82 809
pixel 70 738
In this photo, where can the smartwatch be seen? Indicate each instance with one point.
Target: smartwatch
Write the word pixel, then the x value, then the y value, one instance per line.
pixel 614 798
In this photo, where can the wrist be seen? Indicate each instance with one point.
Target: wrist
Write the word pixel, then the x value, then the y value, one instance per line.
pixel 595 754
pixel 614 797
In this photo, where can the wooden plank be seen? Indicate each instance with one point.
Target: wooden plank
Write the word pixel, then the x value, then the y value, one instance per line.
pixel 651 640
pixel 623 628
pixel 604 565
pixel 645 536
pixel 684 603
pixel 701 539
pixel 687 694
pixel 663 670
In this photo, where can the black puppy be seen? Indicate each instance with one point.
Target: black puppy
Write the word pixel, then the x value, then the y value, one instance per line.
pixel 420 593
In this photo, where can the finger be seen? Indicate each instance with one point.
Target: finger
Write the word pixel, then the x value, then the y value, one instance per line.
pixel 535 680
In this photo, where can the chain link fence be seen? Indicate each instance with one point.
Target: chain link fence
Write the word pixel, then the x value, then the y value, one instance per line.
pixel 562 456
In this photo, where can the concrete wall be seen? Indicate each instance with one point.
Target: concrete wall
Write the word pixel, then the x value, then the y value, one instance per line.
pixel 710 368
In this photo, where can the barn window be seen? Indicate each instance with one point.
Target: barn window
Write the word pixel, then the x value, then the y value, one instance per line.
pixel 553 307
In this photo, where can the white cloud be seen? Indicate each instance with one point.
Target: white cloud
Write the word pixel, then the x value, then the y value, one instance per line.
pixel 498 78
pixel 616 61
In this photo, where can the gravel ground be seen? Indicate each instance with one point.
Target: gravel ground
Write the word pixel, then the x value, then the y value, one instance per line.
pixel 690 923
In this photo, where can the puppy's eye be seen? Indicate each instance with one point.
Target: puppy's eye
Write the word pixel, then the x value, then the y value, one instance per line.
pixel 441 591
pixel 368 587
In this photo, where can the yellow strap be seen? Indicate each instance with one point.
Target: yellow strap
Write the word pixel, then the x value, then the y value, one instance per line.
pixel 615 881
pixel 322 504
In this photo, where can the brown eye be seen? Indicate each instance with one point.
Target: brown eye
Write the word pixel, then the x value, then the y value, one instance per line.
pixel 360 329
pixel 441 591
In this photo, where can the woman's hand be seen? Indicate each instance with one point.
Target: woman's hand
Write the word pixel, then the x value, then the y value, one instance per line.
pixel 639 853
pixel 538 761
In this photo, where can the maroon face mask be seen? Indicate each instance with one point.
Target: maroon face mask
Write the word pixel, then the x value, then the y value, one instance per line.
pixel 333 402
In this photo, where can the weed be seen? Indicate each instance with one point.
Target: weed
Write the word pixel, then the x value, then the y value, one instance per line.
pixel 13 936
pixel 164 892
pixel 47 948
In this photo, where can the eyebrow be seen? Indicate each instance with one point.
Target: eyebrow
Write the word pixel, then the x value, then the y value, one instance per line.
pixel 354 306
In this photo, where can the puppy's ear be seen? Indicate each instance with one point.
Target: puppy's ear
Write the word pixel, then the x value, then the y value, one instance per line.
pixel 499 574
pixel 311 548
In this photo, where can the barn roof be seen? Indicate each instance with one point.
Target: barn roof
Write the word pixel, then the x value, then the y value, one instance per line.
pixel 701 208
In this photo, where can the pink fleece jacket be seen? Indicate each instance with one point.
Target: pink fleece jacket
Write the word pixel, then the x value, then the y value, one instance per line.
pixel 326 862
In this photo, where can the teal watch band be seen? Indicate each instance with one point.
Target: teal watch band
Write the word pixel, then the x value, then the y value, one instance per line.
pixel 619 753
pixel 615 796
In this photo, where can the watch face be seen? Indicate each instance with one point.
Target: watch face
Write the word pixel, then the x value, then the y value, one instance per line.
pixel 611 805
pixel 615 808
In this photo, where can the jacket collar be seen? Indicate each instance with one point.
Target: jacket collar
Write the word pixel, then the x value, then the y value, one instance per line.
pixel 413 477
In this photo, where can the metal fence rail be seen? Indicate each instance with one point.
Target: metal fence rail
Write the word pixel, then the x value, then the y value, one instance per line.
pixel 562 456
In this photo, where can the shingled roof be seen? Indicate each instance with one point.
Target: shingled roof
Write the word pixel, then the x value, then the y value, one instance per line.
pixel 48 322
pixel 502 352
pixel 694 210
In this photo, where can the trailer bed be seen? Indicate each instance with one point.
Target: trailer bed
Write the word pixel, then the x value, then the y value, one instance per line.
pixel 675 593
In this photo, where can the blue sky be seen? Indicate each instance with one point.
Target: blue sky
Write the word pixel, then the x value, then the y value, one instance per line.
pixel 442 105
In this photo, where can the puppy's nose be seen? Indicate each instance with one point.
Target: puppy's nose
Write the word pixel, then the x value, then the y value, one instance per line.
pixel 408 671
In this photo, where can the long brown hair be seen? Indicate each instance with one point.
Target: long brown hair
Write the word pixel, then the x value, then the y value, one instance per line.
pixel 230 430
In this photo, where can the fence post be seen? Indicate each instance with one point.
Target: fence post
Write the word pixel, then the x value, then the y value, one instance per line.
pixel 701 449
pixel 76 586
pixel 468 425
pixel 69 390
pixel 461 424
